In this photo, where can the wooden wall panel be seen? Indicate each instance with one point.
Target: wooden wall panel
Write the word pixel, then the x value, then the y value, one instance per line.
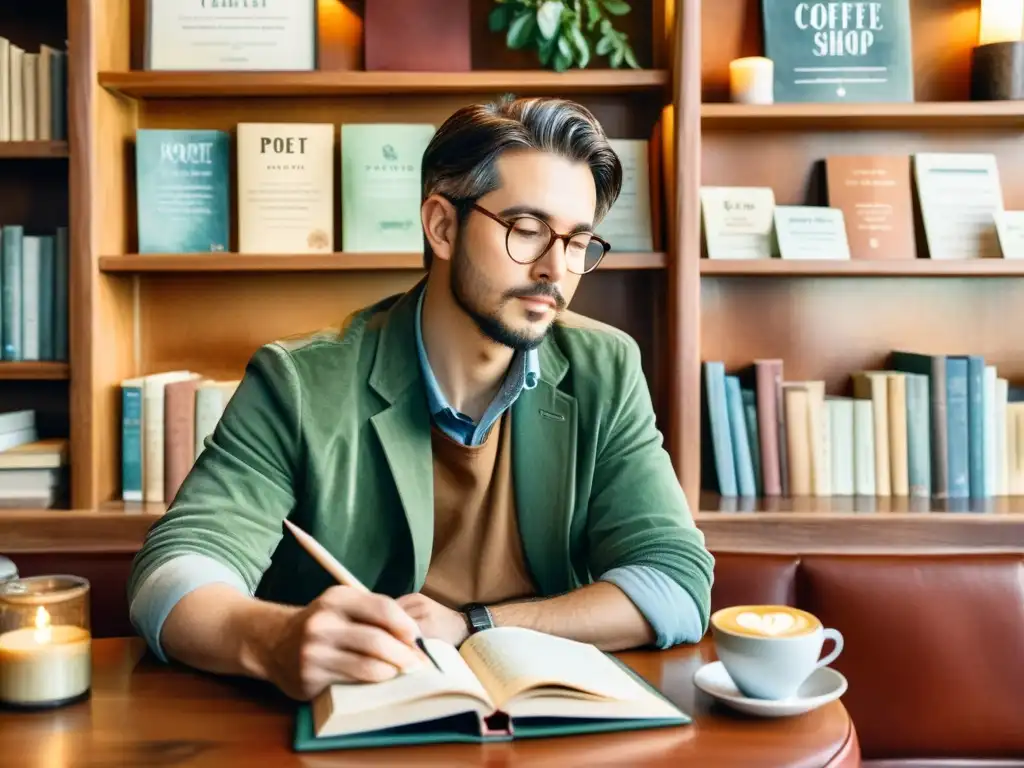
pixel 829 328
pixel 944 31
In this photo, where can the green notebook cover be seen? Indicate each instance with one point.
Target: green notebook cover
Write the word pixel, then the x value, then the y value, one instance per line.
pixel 465 728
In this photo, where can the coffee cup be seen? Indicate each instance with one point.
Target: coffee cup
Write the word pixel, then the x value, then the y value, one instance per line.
pixel 770 650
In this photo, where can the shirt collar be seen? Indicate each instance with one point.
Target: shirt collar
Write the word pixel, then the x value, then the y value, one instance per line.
pixel 525 368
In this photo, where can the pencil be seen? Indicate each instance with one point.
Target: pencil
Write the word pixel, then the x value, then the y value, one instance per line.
pixel 341 574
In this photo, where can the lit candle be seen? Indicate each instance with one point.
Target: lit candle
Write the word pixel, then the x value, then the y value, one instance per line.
pixel 752 80
pixel 44 664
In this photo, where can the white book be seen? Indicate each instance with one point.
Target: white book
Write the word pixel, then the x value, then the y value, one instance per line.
pixel 30 92
pixel 841 433
pixel 960 194
pixel 1001 449
pixel 17 98
pixel 5 89
pixel 628 224
pixel 285 187
pixel 31 316
pixel 988 447
pixel 864 447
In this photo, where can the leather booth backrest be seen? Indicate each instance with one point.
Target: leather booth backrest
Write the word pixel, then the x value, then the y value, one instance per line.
pixel 934 645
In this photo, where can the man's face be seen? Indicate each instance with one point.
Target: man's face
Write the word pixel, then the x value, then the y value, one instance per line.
pixel 515 304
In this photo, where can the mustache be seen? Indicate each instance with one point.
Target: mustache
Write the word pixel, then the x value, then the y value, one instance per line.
pixel 540 289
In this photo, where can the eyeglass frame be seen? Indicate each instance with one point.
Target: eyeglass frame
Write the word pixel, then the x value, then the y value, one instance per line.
pixel 509 224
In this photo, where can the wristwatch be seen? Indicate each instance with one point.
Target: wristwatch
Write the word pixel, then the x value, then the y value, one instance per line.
pixel 478 617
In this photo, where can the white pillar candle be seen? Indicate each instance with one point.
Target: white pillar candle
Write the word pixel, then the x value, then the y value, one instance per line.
pixel 44 664
pixel 752 80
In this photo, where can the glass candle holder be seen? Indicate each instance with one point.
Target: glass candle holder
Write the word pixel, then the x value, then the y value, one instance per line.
pixel 45 642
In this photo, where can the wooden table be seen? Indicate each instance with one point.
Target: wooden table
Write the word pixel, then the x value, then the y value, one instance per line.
pixel 144 713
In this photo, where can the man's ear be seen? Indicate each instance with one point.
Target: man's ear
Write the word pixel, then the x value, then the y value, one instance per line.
pixel 440 225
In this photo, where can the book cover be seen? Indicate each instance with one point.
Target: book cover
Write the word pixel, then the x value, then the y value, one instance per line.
pixel 285 187
pixel 11 291
pixel 875 194
pixel 182 190
pixel 839 52
pixel 628 225
pixel 380 186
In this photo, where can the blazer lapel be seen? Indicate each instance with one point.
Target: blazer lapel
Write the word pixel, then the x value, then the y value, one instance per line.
pixel 544 477
pixel 403 428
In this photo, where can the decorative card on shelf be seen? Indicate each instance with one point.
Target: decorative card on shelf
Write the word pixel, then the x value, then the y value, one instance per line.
pixel 810 232
pixel 285 187
pixel 737 222
pixel 380 186
pixel 839 51
pixel 628 224
pixel 182 190
pixel 1010 228
pixel 876 197
pixel 227 35
pixel 960 194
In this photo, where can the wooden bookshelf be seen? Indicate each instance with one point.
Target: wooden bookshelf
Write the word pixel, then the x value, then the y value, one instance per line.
pixel 33 149
pixel 334 262
pixel 957 115
pixel 232 85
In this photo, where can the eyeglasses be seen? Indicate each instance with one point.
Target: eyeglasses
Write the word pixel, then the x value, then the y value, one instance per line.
pixel 528 238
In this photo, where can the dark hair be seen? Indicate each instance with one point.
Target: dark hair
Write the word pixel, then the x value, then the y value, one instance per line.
pixel 460 161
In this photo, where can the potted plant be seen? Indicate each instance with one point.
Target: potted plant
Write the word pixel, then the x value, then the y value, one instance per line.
pixel 565 33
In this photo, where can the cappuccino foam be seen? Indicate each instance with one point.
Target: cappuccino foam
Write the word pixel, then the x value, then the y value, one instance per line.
pixel 765 621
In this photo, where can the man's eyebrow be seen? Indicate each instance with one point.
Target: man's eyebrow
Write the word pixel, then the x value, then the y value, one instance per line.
pixel 519 210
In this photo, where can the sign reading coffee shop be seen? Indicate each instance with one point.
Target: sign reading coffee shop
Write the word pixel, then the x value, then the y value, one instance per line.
pixel 839 51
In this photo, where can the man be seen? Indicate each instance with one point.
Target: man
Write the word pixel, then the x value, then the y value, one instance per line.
pixel 475 454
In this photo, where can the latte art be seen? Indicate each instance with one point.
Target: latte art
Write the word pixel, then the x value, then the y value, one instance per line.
pixel 765 621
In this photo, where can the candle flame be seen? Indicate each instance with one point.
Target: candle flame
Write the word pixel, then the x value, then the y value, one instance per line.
pixel 43 632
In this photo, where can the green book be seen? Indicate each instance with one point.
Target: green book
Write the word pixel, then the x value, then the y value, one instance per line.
pixel 502 684
pixel 381 186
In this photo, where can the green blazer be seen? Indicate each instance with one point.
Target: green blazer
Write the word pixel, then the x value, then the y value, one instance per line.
pixel 332 431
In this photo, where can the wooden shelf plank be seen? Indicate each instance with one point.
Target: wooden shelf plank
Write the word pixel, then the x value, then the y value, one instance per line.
pixel 861 525
pixel 33 149
pixel 334 262
pixel 114 528
pixel 919 115
pixel 139 84
pixel 862 268
pixel 33 371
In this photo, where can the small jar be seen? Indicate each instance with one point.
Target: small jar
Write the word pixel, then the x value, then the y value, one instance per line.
pixel 45 642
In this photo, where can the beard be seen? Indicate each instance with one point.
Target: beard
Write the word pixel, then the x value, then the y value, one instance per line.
pixel 468 286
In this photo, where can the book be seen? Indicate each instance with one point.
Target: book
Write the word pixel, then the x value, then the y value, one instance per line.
pixel 502 684
pixel 876 197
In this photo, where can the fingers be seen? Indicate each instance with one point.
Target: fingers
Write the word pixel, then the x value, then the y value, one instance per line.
pixel 341 664
pixel 376 643
pixel 377 610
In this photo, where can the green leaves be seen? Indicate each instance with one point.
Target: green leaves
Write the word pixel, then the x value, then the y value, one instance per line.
pixel 565 33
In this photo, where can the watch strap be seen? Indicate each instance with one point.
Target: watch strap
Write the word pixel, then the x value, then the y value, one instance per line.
pixel 478 617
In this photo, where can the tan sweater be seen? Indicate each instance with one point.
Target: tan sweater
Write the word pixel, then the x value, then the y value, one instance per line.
pixel 477 552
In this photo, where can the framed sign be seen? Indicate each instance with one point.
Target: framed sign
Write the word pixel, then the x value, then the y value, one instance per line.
pixel 231 35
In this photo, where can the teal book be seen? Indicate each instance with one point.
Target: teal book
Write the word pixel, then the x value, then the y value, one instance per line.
pixel 720 472
pixel 957 427
pixel 183 190
pixel 919 446
pixel 502 684
pixel 131 439
pixel 753 436
pixel 10 280
pixel 47 294
pixel 840 51
pixel 740 440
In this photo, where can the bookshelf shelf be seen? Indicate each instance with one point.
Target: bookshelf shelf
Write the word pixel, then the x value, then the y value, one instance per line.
pixel 33 371
pixel 920 115
pixel 855 268
pixel 335 262
pixel 33 149
pixel 113 528
pixel 170 85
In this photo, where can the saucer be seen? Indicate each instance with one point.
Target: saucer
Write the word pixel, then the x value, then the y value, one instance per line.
pixel 824 685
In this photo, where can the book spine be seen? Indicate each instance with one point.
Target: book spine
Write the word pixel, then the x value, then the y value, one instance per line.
pixel 841 432
pixel 919 455
pixel 798 436
pixel 975 427
pixel 988 404
pixel 60 295
pixel 1002 456
pixel 740 441
pixel 721 438
pixel 864 448
pixel 767 382
pixel 896 386
pixel 179 434
pixel 131 443
pixel 47 292
pixel 753 439
pixel 957 428
pixel 31 311
pixel 10 275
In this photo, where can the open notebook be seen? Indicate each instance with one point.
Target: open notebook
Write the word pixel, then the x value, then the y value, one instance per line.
pixel 504 683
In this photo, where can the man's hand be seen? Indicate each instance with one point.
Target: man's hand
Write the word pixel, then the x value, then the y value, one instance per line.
pixel 434 619
pixel 344 635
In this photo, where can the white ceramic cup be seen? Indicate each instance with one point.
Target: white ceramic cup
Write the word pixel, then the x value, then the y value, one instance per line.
pixel 772 666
